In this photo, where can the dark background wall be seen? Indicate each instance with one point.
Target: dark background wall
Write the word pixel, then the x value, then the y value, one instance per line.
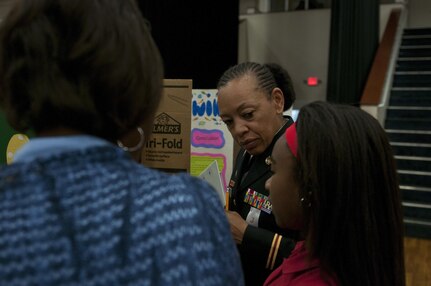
pixel 197 39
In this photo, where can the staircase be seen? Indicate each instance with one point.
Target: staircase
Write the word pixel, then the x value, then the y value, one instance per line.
pixel 408 124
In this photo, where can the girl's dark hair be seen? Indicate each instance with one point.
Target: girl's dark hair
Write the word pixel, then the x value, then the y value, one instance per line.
pixel 89 65
pixel 347 172
pixel 269 76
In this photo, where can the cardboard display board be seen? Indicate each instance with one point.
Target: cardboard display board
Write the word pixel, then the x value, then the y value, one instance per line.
pixel 210 138
pixel 168 147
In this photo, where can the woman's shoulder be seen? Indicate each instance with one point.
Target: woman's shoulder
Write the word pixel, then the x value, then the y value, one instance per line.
pixel 182 202
pixel 180 187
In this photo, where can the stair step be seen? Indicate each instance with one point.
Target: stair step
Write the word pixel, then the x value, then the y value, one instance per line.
pixel 417 108
pixel 415 47
pixel 407 59
pixel 417 228
pixel 416 194
pixel 416 52
pixel 409 97
pixel 424 36
pixel 419 164
pixel 404 145
pixel 411 151
pixel 412 79
pixel 411 88
pixel 409 138
pixel 409 112
pixel 417 211
pixel 413 65
pixel 413 73
pixel 415 178
pixel 415 40
pixel 416 31
pixel 408 124
pixel 425 144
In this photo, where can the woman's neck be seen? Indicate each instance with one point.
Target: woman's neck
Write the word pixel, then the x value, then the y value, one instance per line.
pixel 58 131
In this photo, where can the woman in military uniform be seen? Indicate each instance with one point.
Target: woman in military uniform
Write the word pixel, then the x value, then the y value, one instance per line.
pixel 252 99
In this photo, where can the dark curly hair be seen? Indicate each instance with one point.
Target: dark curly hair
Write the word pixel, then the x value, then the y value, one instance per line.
pixel 88 65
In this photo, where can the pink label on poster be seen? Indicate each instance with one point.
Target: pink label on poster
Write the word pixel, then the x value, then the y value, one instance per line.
pixel 207 138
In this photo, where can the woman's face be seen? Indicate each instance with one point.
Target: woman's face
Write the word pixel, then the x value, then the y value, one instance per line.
pixel 283 187
pixel 251 117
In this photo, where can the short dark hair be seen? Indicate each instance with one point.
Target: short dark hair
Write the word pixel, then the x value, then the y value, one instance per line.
pixel 347 173
pixel 269 76
pixel 83 64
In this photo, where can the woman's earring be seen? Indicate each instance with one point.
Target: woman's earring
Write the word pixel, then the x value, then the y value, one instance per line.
pixel 137 146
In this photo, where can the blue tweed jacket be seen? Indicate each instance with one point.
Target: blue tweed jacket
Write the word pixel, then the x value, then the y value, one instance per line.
pixel 95 217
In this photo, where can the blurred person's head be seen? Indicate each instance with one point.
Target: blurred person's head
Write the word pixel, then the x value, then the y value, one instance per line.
pixel 79 66
pixel 252 98
pixel 334 178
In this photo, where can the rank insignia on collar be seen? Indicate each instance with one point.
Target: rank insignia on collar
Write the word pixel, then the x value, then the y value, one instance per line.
pixel 268 160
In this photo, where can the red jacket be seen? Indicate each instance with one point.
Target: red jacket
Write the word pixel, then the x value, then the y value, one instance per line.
pixel 299 270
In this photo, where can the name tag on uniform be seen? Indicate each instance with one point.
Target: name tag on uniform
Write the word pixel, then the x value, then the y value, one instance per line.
pixel 253 217
pixel 258 201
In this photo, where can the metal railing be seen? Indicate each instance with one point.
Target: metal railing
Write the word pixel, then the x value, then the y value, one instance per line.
pixel 375 98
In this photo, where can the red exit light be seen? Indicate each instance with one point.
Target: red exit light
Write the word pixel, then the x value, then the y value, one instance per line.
pixel 312 81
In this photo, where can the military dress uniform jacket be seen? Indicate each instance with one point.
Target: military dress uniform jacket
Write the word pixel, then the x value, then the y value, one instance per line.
pixel 264 244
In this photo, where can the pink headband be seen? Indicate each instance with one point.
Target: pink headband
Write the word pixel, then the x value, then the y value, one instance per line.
pixel 291 139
